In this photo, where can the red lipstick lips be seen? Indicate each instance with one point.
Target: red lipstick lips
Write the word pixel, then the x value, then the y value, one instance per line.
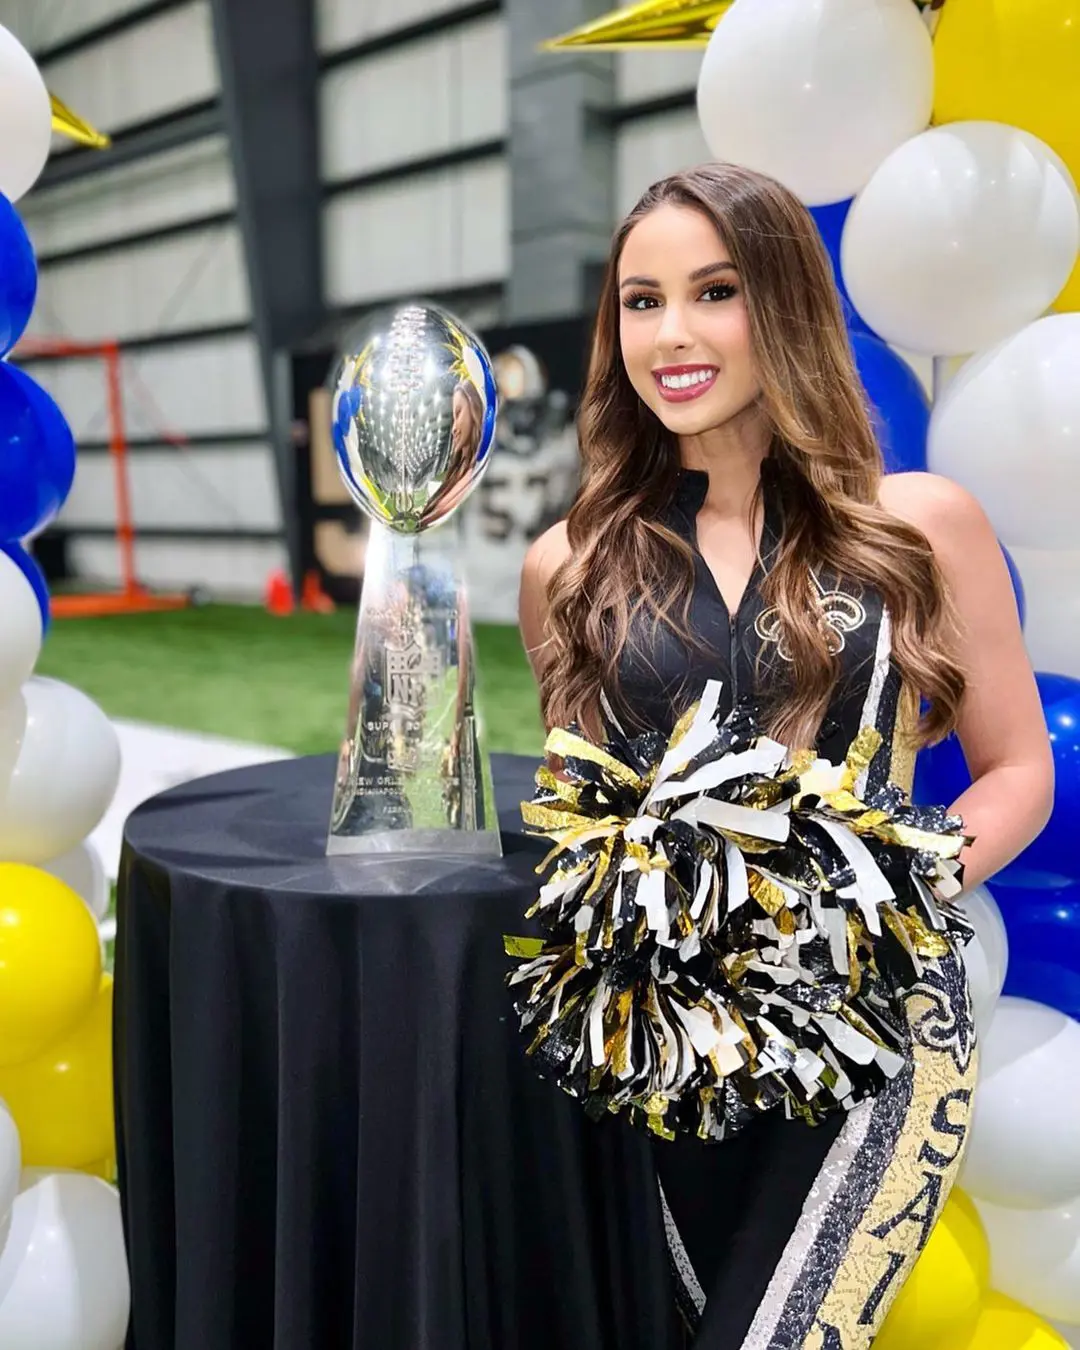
pixel 680 384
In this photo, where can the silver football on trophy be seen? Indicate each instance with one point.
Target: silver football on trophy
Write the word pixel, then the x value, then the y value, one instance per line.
pixel 413 416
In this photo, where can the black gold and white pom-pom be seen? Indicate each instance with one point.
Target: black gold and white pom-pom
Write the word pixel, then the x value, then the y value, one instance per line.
pixel 729 927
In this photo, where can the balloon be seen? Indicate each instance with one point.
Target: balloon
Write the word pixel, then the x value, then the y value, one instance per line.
pixel 37 455
pixel 63 1270
pixel 1008 428
pixel 830 220
pixel 1018 585
pixel 1069 299
pixel 1005 1325
pixel 25 115
pixel 1055 688
pixel 1024 1148
pixel 985 958
pixel 1044 945
pixel 941 773
pixel 815 95
pixel 64 759
pixel 1012 61
pixel 18 276
pixel 62 1100
pixel 50 962
pixel 21 627
pixel 1052 859
pixel 925 246
pixel 81 868
pixel 944 1293
pixel 10 1167
pixel 17 554
pixel 900 405
pixel 1036 1257
pixel 1052 625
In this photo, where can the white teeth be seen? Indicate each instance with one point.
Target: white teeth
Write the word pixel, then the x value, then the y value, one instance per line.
pixel 685 381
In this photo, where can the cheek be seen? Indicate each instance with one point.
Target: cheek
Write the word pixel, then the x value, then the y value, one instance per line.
pixel 636 349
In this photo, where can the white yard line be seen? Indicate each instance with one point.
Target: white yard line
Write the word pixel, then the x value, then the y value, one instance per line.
pixel 154 758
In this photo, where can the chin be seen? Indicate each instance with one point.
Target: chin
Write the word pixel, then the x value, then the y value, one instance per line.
pixel 690 419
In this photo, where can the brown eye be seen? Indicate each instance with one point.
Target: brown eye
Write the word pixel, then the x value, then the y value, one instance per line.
pixel 719 290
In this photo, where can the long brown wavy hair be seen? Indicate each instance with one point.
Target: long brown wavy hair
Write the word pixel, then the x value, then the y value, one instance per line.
pixel 625 563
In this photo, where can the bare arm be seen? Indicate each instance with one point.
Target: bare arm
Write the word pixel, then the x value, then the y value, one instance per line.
pixel 543 559
pixel 1001 725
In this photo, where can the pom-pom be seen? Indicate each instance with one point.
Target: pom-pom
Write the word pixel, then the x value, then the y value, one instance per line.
pixel 729 927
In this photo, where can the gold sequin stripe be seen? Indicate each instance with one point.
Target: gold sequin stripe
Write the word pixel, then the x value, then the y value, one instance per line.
pixel 882 1187
pixel 902 754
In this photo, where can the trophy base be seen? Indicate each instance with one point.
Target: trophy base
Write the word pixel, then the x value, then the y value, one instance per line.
pixel 412 777
pixel 416 844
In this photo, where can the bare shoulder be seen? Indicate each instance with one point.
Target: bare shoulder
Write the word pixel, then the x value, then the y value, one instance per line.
pixel 948 514
pixel 546 554
pixel 544 557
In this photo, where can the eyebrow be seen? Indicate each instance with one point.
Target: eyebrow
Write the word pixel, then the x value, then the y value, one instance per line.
pixel 709 270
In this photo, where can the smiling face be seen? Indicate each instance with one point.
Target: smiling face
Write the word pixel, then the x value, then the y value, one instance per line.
pixel 684 328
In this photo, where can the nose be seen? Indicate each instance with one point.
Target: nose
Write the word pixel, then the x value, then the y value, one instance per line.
pixel 673 334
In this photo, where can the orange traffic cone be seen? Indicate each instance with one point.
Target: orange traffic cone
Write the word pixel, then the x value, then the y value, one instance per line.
pixel 313 598
pixel 279 595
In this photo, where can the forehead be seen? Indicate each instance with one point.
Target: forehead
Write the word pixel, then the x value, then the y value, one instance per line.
pixel 672 239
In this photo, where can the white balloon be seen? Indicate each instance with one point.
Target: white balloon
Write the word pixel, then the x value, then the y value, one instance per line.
pixel 10 1166
pixel 81 868
pixel 963 235
pixel 63 1270
pixel 61 770
pixel 1052 591
pixel 25 116
pixel 1008 428
pixel 815 92
pixel 1035 1257
pixel 1024 1146
pixel 986 956
pixel 20 628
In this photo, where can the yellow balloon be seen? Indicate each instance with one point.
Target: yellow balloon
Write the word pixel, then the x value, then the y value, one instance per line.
pixel 1069 299
pixel 945 1291
pixel 50 961
pixel 1014 61
pixel 62 1100
pixel 1005 1325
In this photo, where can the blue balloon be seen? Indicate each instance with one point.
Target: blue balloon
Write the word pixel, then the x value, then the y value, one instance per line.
pixel 1018 586
pixel 1056 688
pixel 1044 945
pixel 899 402
pixel 37 455
pixel 1053 859
pixel 18 277
pixel 34 575
pixel 830 221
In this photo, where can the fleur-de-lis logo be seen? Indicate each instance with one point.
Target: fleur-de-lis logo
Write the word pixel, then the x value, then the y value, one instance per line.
pixel 839 614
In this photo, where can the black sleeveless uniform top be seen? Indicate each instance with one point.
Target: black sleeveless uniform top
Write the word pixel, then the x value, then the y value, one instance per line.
pixel 660 675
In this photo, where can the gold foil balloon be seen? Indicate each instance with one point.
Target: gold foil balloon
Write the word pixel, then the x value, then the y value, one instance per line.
pixel 654 23
pixel 70 124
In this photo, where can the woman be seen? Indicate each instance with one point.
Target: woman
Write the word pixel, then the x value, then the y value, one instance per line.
pixel 734 522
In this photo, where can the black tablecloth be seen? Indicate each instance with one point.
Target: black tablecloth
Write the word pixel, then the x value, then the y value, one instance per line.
pixel 328 1134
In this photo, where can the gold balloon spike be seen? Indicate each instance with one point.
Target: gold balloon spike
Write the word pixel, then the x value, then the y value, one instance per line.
pixel 72 125
pixel 653 23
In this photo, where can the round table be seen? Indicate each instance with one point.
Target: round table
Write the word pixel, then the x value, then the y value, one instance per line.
pixel 329 1136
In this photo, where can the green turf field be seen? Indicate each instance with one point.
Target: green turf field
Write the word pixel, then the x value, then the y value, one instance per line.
pixel 239 672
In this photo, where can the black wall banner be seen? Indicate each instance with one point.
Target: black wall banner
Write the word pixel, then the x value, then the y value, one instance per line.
pixel 529 484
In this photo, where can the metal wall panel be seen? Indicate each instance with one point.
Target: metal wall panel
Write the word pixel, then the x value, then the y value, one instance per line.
pixel 198 280
pixel 195 180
